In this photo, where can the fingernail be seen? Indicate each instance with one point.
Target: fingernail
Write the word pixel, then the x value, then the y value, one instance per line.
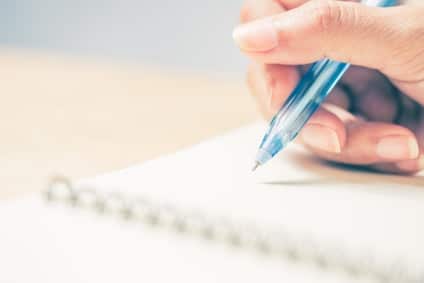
pixel 258 36
pixel 398 148
pixel 321 137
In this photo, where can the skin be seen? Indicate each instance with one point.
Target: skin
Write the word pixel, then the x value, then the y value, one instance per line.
pixel 374 117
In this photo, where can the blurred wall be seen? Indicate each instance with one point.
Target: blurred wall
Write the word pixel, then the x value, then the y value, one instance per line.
pixel 188 34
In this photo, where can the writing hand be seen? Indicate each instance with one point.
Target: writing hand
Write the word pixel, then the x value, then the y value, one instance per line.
pixel 375 116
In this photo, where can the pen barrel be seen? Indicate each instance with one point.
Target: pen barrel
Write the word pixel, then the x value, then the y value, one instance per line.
pixel 302 103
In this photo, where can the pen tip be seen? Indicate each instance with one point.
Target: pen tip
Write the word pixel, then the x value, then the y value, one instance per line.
pixel 257 164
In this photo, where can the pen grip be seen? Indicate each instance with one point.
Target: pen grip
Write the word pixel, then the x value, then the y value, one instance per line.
pixel 313 88
pixel 302 103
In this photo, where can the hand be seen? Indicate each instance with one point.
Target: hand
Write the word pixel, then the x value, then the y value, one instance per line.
pixel 375 116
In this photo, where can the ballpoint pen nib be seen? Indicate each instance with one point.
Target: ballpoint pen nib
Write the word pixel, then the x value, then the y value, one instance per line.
pixel 257 164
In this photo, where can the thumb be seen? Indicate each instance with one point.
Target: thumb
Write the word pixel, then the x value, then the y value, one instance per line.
pixel 343 31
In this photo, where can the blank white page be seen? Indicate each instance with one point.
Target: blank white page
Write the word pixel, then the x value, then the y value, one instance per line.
pixel 365 213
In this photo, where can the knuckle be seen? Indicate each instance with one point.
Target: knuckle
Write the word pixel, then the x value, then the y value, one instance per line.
pixel 326 14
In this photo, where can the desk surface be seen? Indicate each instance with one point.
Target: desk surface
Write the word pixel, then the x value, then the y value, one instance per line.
pixel 82 117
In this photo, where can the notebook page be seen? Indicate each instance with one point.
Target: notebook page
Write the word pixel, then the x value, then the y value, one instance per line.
pixel 364 211
pixel 51 243
pixel 48 244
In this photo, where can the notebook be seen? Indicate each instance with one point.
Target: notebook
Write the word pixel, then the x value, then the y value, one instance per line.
pixel 203 216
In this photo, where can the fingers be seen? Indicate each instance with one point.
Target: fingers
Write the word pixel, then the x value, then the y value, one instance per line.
pixel 324 28
pixel 367 143
pixel 325 132
pixel 281 82
pixel 409 166
pixel 271 85
pixel 335 134
pixel 389 39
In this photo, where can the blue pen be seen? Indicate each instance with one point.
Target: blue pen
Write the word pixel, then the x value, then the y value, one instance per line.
pixel 302 103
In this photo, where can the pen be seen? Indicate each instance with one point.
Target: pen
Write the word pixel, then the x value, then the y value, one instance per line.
pixel 302 103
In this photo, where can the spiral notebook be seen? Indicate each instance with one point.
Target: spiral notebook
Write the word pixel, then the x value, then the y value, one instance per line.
pixel 200 215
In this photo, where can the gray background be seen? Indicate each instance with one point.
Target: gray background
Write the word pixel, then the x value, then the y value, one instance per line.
pixel 186 34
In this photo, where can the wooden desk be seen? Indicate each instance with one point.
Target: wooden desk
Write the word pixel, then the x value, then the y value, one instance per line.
pixel 80 117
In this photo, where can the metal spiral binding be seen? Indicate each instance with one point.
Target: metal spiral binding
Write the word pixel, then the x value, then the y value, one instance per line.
pixel 217 229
